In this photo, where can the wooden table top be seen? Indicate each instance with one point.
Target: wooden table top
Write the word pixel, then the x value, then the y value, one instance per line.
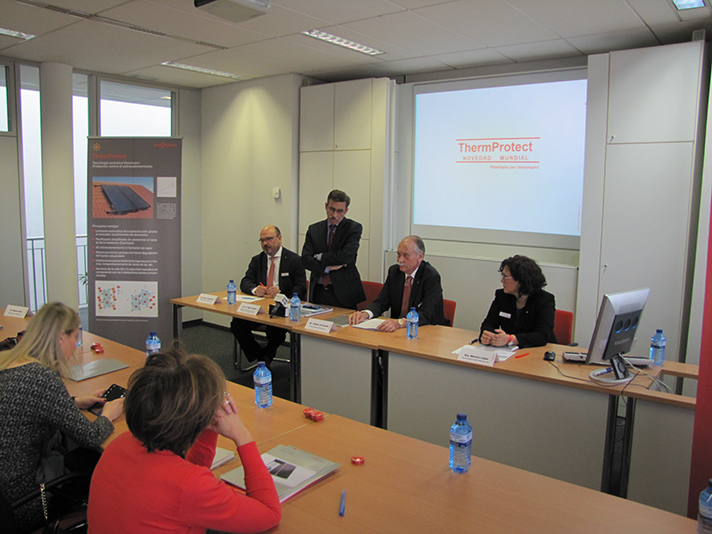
pixel 405 485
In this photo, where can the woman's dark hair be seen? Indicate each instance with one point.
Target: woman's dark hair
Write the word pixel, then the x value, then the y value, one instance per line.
pixel 172 399
pixel 525 271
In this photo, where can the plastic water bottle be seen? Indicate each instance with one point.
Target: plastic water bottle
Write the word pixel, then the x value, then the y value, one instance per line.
pixel 263 386
pixel 295 308
pixel 80 336
pixel 153 344
pixel 704 517
pixel 412 327
pixel 657 347
pixel 460 444
pixel 231 293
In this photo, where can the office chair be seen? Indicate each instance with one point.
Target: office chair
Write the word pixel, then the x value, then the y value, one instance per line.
pixel 563 327
pixel 372 290
pixel 449 310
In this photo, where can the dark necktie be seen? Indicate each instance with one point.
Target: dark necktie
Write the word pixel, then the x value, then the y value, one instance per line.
pixel 326 279
pixel 406 296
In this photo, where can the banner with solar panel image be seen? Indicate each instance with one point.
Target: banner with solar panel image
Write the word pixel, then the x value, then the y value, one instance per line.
pixel 134 236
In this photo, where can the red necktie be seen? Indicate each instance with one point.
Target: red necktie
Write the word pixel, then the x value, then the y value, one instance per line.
pixel 406 296
pixel 326 279
pixel 270 274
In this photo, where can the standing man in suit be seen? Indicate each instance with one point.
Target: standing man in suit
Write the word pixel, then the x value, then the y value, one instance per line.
pixel 411 283
pixel 329 252
pixel 274 270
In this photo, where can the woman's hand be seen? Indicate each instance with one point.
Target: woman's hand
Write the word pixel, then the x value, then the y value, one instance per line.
pixel 112 410
pixel 228 423
pixel 87 401
pixel 498 338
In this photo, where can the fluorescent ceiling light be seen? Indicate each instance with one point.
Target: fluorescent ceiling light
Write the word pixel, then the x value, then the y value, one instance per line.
pixel 16 34
pixel 317 34
pixel 201 70
pixel 688 4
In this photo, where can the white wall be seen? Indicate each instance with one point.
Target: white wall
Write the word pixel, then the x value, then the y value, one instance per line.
pixel 249 146
pixel 191 216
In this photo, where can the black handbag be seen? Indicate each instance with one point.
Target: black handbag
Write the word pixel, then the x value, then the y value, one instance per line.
pixel 51 527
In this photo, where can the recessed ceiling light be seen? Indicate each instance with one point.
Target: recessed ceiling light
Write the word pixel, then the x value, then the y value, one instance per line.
pixel 688 4
pixel 16 34
pixel 201 69
pixel 317 34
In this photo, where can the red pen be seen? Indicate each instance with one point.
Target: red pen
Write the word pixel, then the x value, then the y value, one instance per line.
pixel 521 355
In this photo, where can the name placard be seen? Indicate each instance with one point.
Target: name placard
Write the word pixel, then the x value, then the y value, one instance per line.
pixel 475 355
pixel 16 311
pixel 205 298
pixel 317 325
pixel 250 309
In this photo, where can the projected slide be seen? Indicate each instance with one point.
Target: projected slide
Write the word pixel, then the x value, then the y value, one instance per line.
pixel 501 158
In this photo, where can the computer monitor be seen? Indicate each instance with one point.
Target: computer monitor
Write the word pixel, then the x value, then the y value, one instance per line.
pixel 617 325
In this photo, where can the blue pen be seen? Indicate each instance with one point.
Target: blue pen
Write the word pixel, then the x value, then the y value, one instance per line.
pixel 342 506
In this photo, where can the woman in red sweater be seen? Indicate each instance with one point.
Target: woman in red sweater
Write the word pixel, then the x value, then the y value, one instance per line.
pixel 157 477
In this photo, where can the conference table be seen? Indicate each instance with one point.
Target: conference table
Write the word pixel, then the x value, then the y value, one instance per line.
pixel 546 417
pixel 405 484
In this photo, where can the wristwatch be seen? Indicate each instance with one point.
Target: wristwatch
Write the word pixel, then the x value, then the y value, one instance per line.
pixel 401 323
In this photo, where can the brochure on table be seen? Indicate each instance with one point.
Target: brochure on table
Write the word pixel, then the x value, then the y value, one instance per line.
pixel 292 470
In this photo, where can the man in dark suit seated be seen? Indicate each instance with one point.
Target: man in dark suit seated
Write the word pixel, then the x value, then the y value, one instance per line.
pixel 410 283
pixel 274 270
pixel 330 251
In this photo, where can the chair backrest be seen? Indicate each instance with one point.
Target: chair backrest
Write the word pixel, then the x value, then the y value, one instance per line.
pixel 372 290
pixel 449 310
pixel 563 326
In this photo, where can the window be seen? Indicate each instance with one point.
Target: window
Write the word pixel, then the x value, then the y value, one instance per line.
pixel 32 173
pixel 4 108
pixel 135 111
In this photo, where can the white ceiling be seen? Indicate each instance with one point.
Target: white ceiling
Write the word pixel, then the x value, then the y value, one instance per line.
pixel 417 36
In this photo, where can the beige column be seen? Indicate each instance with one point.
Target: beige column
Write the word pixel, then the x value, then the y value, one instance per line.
pixel 58 183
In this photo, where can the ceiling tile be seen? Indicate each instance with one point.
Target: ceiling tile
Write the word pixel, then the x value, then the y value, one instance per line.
pixel 412 32
pixel 536 51
pixel 491 22
pixel 473 58
pixel 654 12
pixel 597 44
pixel 171 21
pixel 30 19
pixel 94 46
pixel 577 19
pixel 339 11
pixel 85 6
pixel 179 77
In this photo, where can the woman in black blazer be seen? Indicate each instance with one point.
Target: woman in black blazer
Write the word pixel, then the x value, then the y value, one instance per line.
pixel 522 313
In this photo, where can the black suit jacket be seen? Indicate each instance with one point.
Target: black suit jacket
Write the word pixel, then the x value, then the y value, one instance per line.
pixel 536 324
pixel 292 276
pixel 346 281
pixel 426 295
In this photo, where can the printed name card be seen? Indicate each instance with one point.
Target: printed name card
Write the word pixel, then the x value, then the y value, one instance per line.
pixel 205 298
pixel 16 311
pixel 472 354
pixel 250 309
pixel 317 325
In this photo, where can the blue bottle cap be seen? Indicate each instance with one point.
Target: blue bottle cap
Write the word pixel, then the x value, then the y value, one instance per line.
pixel 461 416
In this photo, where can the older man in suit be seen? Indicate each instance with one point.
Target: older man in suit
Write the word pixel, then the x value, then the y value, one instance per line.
pixel 411 283
pixel 330 251
pixel 274 270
